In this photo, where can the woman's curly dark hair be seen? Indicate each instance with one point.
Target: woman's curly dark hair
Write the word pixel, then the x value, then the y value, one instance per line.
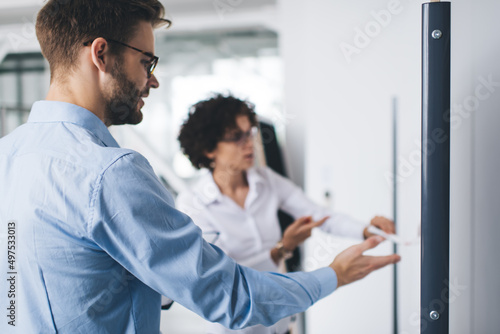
pixel 207 123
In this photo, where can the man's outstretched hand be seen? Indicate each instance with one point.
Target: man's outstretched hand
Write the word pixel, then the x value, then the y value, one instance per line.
pixel 351 265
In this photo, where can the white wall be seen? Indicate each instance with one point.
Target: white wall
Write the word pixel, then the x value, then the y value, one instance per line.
pixel 342 113
pixel 461 180
pixel 345 120
pixel 484 47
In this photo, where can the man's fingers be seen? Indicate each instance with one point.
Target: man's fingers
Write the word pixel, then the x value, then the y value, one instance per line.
pixel 351 265
pixel 377 262
pixel 369 243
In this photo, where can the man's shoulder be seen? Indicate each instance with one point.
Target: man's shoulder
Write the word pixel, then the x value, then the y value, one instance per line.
pixel 65 144
pixel 84 149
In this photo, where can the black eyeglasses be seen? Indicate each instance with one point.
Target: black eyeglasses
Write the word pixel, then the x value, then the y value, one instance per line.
pixel 153 61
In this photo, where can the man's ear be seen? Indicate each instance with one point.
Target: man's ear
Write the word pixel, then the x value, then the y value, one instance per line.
pixel 100 55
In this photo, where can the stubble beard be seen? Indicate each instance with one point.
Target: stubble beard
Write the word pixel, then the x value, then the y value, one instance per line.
pixel 123 100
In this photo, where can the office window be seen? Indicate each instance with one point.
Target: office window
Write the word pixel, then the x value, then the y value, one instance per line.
pixel 23 80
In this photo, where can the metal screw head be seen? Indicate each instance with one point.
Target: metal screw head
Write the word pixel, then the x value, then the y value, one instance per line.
pixel 434 315
pixel 436 34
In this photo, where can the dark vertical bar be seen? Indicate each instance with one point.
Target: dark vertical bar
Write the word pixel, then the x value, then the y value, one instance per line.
pixel 19 90
pixel 435 167
pixel 395 206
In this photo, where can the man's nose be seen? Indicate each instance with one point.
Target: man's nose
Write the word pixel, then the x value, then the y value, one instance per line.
pixel 153 82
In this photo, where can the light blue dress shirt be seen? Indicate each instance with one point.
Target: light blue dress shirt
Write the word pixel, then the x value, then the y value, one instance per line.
pixel 90 238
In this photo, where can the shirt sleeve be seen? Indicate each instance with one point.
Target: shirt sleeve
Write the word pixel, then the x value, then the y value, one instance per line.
pixel 133 219
pixel 297 204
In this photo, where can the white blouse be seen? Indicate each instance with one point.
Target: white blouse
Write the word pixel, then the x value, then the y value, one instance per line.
pixel 248 234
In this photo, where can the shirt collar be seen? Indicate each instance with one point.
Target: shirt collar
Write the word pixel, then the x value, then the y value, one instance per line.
pixel 55 111
pixel 208 191
pixel 254 178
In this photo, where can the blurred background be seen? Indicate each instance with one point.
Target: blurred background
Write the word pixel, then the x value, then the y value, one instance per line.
pixel 330 76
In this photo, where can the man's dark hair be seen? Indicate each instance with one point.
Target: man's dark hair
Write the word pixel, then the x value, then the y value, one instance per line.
pixel 62 26
pixel 207 123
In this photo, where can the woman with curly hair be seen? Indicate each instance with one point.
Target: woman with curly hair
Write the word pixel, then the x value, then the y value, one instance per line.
pixel 236 204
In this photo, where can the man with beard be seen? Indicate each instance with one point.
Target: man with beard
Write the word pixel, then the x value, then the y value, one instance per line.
pixel 91 236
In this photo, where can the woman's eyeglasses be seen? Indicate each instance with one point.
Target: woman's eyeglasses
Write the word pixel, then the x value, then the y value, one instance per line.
pixel 150 66
pixel 240 137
